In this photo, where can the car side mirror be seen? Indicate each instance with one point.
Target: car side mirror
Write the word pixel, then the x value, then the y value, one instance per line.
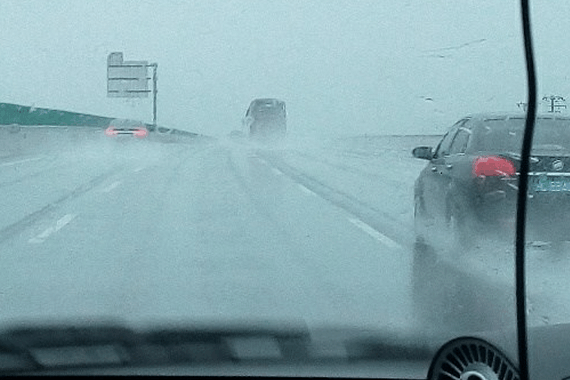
pixel 423 152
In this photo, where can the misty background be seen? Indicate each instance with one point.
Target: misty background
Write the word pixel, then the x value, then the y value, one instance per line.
pixel 344 67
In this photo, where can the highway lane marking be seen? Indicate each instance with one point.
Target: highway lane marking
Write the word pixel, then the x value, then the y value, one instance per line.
pixel 112 186
pixel 21 161
pixel 276 171
pixel 306 190
pixel 273 169
pixel 375 234
pixel 62 222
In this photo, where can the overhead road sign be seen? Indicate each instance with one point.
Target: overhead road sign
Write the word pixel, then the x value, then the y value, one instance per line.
pixel 126 79
pixel 129 79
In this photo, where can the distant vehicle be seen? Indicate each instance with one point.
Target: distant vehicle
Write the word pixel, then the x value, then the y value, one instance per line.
pixel 468 190
pixel 266 119
pixel 126 127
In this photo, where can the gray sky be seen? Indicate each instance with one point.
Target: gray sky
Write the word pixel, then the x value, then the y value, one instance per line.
pixel 344 67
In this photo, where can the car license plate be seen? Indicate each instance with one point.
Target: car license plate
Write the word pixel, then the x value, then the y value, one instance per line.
pixel 550 184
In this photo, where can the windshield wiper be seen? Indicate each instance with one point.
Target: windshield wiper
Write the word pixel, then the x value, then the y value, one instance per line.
pixel 522 194
pixel 61 347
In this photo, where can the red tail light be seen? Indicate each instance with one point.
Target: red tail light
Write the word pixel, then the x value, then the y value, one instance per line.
pixel 141 132
pixel 111 131
pixel 488 166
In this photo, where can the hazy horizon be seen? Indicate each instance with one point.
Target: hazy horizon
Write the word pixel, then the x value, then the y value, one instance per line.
pixel 343 67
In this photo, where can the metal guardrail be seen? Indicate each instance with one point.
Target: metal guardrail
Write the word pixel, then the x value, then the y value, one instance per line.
pixel 25 115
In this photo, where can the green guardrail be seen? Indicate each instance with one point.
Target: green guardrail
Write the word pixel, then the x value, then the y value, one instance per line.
pixel 25 115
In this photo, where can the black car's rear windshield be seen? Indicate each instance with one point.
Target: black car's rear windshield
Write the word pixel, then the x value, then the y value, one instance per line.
pixel 496 135
pixel 268 107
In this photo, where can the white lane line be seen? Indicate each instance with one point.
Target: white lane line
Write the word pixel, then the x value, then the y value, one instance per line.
pixel 21 161
pixel 375 234
pixel 276 171
pixel 306 190
pixel 62 222
pixel 139 169
pixel 110 188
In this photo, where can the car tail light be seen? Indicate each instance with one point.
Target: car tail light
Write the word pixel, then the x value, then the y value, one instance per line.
pixel 489 166
pixel 111 131
pixel 141 132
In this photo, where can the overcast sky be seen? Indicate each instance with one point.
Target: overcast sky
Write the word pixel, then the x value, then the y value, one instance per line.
pixel 344 67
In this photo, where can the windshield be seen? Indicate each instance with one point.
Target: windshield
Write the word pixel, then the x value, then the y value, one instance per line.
pixel 118 123
pixel 267 106
pixel 211 213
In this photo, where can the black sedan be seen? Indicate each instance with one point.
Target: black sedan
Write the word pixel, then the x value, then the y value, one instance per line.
pixel 468 189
